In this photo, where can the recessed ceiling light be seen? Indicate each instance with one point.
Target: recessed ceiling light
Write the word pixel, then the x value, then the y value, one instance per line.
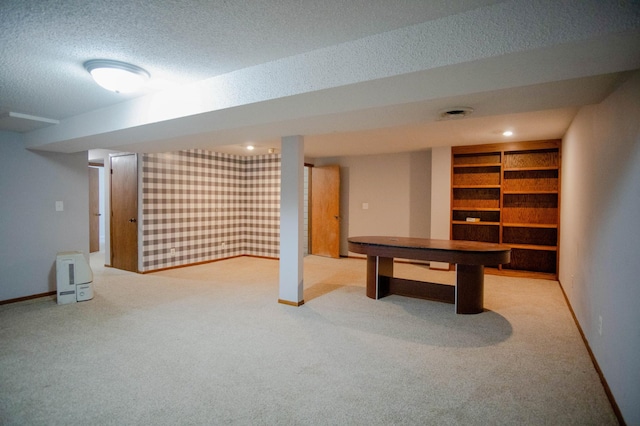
pixel 455 112
pixel 507 133
pixel 250 147
pixel 116 76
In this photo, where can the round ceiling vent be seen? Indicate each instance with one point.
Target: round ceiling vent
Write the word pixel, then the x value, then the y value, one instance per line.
pixel 455 112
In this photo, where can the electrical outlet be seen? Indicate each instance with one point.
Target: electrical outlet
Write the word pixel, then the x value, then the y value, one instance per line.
pixel 572 282
pixel 173 251
pixel 600 325
pixel 223 244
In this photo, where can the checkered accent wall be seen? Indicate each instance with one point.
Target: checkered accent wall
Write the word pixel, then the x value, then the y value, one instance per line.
pixel 200 206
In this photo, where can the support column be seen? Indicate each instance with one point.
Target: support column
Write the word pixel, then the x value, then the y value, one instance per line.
pixel 291 220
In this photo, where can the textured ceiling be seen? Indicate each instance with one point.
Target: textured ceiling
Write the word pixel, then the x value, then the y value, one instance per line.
pixel 45 43
pixel 370 74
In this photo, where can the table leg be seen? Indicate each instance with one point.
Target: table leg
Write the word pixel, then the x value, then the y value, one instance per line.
pixel 378 269
pixel 469 289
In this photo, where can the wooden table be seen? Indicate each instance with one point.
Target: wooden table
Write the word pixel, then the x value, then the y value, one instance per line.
pixel 470 257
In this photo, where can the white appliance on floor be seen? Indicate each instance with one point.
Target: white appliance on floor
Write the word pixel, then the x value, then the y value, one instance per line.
pixel 74 278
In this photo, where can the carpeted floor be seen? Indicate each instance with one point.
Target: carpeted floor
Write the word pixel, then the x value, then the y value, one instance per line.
pixel 209 344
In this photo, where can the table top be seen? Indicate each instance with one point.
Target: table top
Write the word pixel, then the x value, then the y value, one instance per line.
pixel 426 243
pixel 453 251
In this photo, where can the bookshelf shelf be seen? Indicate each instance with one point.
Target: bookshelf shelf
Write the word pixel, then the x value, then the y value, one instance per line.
pixel 478 165
pixel 464 222
pixel 514 191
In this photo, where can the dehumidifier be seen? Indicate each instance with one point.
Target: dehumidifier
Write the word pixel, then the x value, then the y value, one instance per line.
pixel 74 278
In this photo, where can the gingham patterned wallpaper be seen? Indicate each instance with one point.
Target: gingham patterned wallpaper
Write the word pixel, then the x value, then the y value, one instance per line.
pixel 262 197
pixel 200 205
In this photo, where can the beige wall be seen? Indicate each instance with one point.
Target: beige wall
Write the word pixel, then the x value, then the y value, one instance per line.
pixel 600 236
pixel 397 189
pixel 440 196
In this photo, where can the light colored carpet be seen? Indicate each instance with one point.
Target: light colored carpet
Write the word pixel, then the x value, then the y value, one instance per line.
pixel 209 344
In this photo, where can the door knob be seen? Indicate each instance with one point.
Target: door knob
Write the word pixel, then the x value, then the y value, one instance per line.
pixel 133 220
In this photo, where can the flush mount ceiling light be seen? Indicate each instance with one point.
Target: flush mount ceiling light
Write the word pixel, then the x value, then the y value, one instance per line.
pixel 455 113
pixel 116 76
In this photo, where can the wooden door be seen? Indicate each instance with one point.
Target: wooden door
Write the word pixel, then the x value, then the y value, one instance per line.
pixel 94 209
pixel 124 212
pixel 325 211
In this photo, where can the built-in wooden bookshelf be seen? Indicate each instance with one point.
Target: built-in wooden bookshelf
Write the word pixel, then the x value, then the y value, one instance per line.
pixel 510 194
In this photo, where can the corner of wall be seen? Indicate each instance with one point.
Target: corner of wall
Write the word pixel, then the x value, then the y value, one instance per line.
pixel 440 196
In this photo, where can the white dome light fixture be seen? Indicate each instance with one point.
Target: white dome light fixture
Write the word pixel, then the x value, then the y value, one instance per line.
pixel 116 76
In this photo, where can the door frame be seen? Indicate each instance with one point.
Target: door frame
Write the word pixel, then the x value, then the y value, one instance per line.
pixel 138 209
pixel 338 216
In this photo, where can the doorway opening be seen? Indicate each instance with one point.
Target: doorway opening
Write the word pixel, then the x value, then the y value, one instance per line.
pixel 96 208
pixel 324 206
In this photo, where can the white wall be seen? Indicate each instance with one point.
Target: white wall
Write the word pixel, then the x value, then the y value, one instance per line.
pixel 600 237
pixel 31 230
pixel 397 189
